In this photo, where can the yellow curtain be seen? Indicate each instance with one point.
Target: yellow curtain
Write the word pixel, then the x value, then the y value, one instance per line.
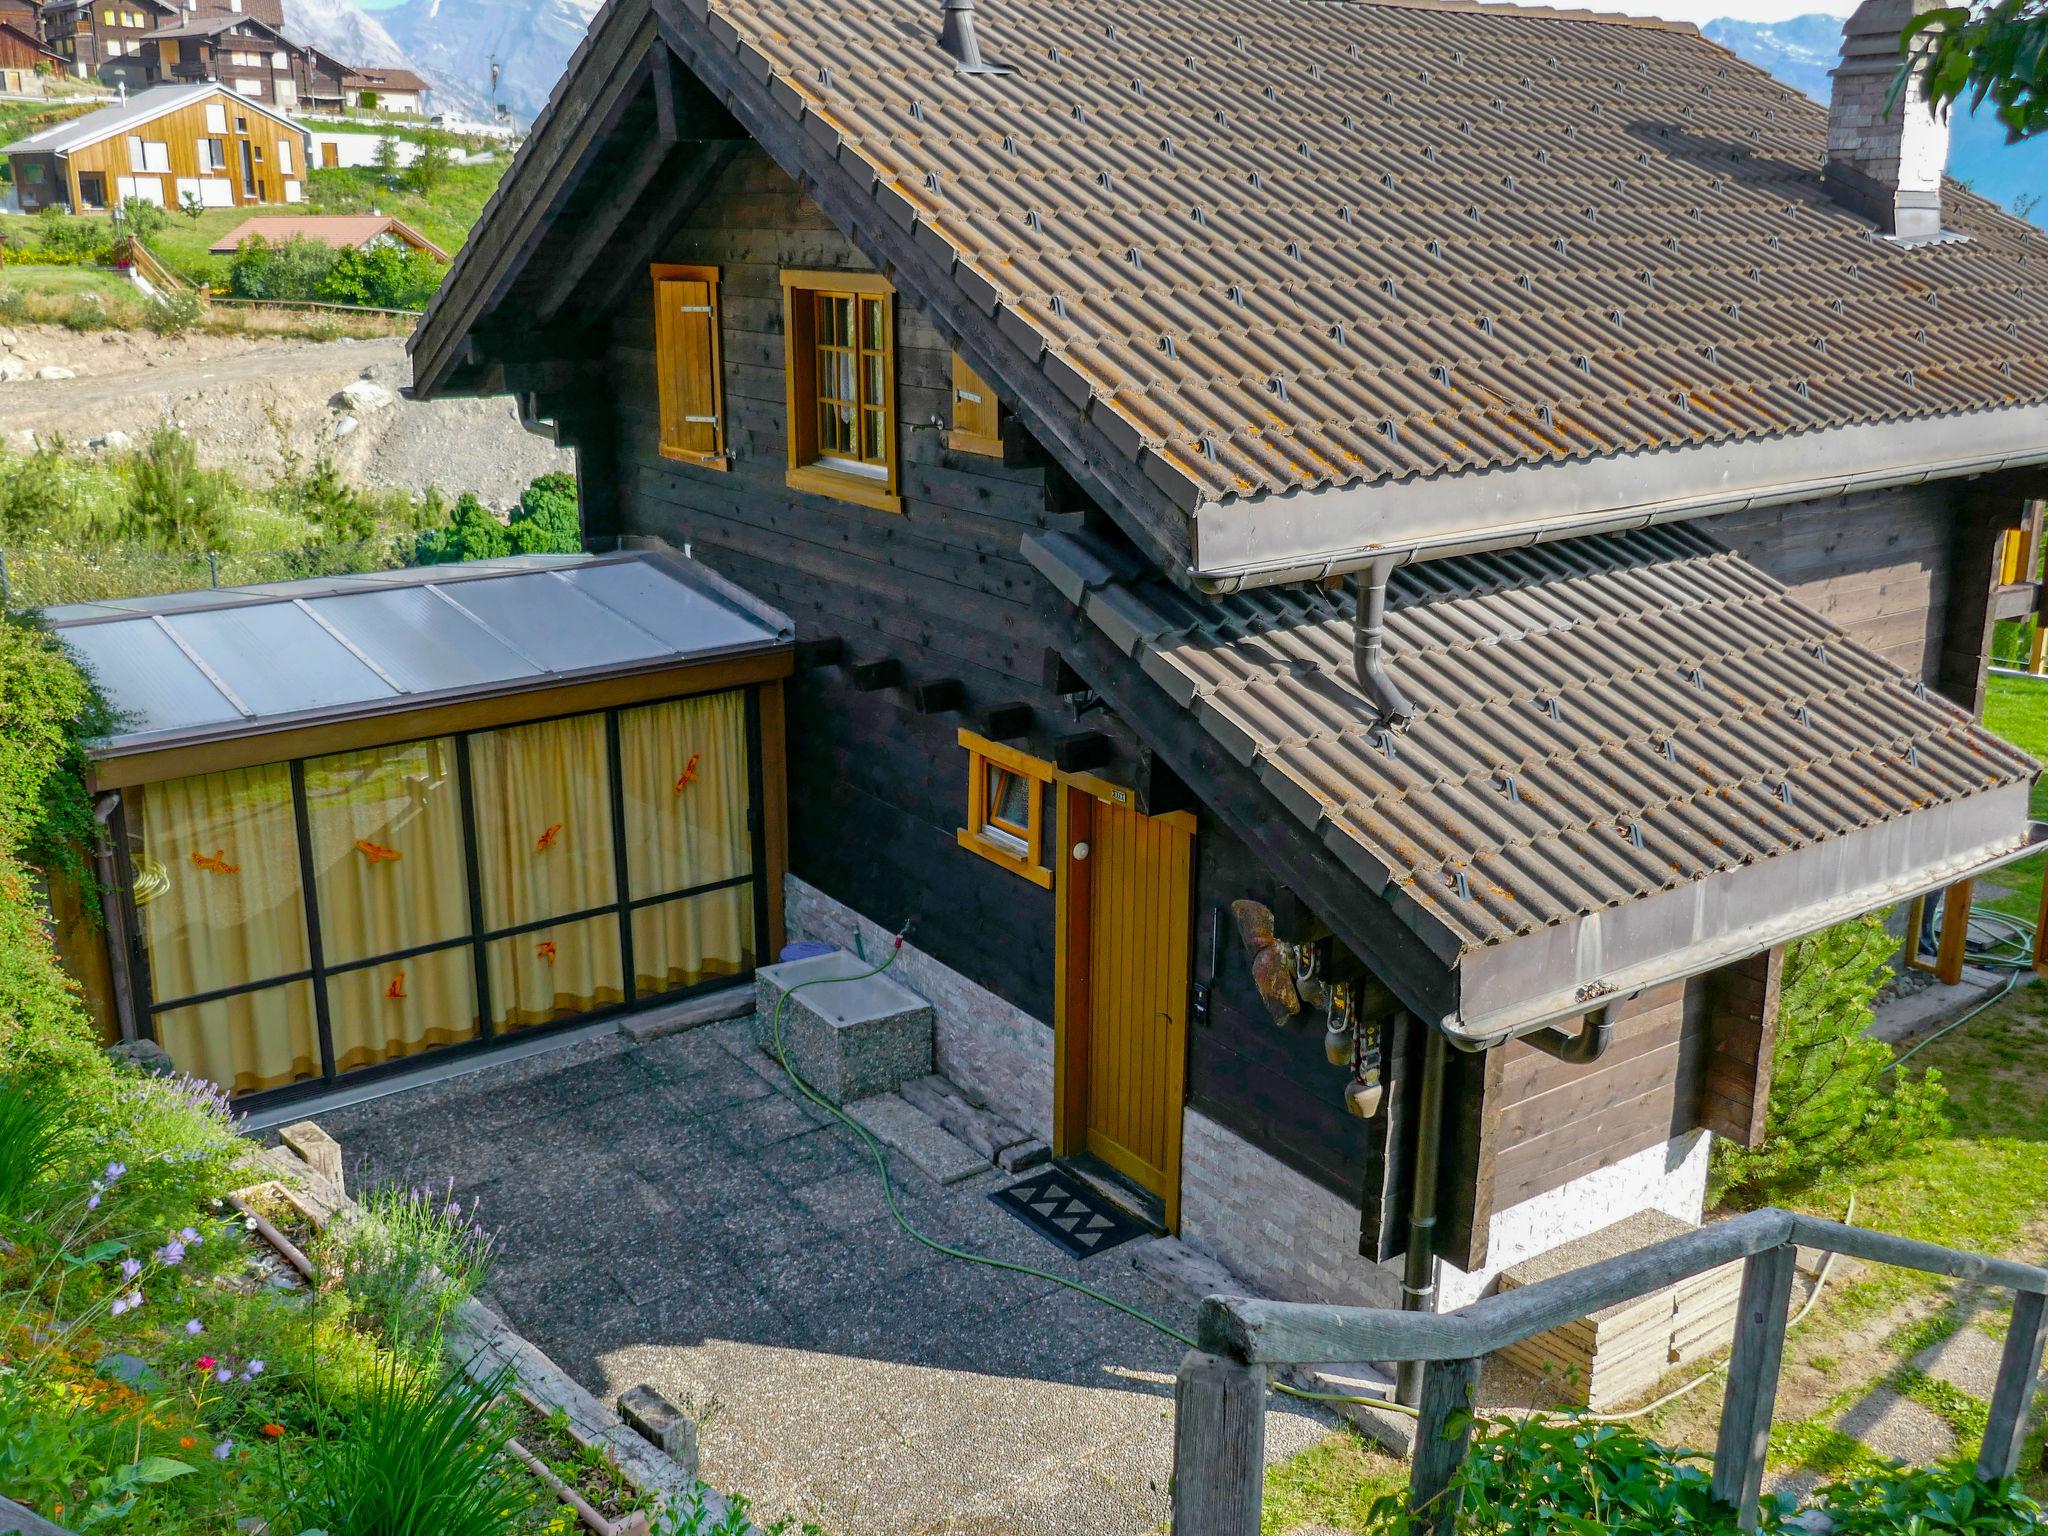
pixel 248 1042
pixel 390 873
pixel 547 974
pixel 218 881
pixel 544 819
pixel 683 766
pixel 679 944
pixel 401 1007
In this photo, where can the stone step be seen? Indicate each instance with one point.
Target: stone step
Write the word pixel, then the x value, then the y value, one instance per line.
pixel 980 1127
pixel 1393 1432
pixel 849 1038
pixel 894 1121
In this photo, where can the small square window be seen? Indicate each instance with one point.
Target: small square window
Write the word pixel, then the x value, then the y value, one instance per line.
pixel 1006 807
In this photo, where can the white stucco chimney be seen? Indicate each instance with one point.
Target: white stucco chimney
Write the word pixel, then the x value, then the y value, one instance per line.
pixel 1887 166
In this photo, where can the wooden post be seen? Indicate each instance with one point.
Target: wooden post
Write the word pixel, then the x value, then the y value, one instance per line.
pixel 1443 1436
pixel 1219 1446
pixel 2039 653
pixel 2006 1430
pixel 15 1518
pixel 1753 1381
pixel 1955 932
pixel 318 1150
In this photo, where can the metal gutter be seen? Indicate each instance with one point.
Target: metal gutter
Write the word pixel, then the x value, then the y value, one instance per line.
pixel 1472 1031
pixel 1312 535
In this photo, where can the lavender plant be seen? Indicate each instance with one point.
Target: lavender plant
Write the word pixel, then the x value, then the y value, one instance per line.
pixel 409 1260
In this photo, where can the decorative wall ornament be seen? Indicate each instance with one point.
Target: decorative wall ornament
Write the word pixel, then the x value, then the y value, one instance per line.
pixel 547 839
pixel 216 862
pixel 689 774
pixel 545 949
pixel 396 991
pixel 376 853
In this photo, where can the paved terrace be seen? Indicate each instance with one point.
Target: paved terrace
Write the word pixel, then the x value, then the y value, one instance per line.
pixel 674 1213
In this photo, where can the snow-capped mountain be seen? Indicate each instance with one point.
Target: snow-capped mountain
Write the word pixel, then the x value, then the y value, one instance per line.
pixel 339 29
pixel 455 42
pixel 1801 51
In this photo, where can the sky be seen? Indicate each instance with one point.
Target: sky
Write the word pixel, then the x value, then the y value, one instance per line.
pixel 1700 12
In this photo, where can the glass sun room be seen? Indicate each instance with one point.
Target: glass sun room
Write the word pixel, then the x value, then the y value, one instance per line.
pixel 358 820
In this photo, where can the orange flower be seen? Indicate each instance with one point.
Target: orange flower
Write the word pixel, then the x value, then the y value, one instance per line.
pixel 273 1430
pixel 186 1442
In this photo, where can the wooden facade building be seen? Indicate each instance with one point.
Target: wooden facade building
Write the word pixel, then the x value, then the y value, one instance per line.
pixel 1259 630
pixel 164 145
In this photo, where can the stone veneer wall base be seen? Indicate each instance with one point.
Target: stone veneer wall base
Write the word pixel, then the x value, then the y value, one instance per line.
pixel 994 1050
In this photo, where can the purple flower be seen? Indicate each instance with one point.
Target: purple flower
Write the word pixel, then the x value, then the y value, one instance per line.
pixel 223 1375
pixel 93 1204
pixel 130 1268
pixel 193 1327
pixel 134 1300
pixel 172 1253
pixel 119 1305
pixel 255 1367
pixel 224 1450
pixel 114 1171
pixel 190 1237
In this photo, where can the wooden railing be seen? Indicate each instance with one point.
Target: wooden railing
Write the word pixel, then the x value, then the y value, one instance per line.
pixel 16 1521
pixel 1220 1401
pixel 144 261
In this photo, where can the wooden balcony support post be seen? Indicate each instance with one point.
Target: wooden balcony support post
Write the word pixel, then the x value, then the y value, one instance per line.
pixel 1955 932
pixel 1219 1446
pixel 1753 1381
pixel 1443 1437
pixel 2005 1432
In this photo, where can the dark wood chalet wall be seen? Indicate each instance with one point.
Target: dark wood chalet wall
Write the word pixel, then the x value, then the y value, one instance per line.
pixel 877 790
pixel 1877 564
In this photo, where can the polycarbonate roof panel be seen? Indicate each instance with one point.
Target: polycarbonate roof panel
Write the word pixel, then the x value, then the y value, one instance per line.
pixel 152 684
pixel 376 642
pixel 276 659
pixel 420 642
pixel 1595 720
pixel 685 619
pixel 581 632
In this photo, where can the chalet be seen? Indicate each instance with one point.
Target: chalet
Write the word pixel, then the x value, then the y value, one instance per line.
pixel 385 90
pixel 1358 569
pixel 91 34
pixel 342 231
pixel 22 52
pixel 254 60
pixel 164 145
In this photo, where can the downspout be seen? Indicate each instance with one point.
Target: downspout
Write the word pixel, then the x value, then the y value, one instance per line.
pixel 1418 1279
pixel 1369 642
pixel 1595 1034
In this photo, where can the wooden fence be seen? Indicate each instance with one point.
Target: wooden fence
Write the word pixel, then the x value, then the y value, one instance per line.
pixel 16 1521
pixel 1220 1400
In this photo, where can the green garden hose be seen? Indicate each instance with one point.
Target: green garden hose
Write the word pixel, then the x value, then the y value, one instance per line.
pixel 896 1212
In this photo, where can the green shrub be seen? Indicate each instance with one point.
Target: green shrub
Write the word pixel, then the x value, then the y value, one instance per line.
pixel 385 275
pixel 408 1261
pixel 141 217
pixel 87 312
pixel 174 313
pixel 414 1457
pixel 174 502
pixel 36 1131
pixel 1930 1501
pixel 544 523
pixel 1836 1106
pixel 292 270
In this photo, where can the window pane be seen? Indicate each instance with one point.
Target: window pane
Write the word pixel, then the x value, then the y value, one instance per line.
pixel 217 880
pixel 402 1007
pixel 388 864
pixel 685 943
pixel 1009 797
pixel 841 379
pixel 248 1042
pixel 871 324
pixel 543 819
pixel 871 379
pixel 873 437
pixel 683 766
pixel 555 973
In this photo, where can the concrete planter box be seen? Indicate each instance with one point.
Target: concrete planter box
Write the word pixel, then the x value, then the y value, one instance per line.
pixel 849 1039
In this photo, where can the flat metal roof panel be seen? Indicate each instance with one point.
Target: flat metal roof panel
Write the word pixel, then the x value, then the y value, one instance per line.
pixel 549 620
pixel 684 617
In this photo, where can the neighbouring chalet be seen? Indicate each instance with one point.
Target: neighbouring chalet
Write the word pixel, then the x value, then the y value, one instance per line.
pixel 1358 569
pixel 91 34
pixel 164 145
pixel 250 57
pixel 338 231
pixel 22 51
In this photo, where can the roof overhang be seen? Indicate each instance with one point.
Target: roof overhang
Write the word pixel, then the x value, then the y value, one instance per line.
pixel 1307 535
pixel 1590 962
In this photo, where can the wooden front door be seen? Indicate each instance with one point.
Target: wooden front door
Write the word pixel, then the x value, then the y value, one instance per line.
pixel 1122 1040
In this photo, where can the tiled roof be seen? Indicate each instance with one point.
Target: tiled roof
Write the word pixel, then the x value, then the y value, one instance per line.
pixel 343 231
pixel 1301 242
pixel 1596 721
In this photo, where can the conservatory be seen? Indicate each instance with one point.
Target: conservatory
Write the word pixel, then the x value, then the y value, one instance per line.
pixel 357 819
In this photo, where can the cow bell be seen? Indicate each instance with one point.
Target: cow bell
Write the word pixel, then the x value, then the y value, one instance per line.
pixel 1337 1045
pixel 1363 1099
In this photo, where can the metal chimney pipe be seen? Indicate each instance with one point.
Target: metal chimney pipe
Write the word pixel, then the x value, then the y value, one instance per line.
pixel 1369 642
pixel 956 36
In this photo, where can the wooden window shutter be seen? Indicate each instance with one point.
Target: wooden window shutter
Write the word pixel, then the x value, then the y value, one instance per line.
pixel 976 424
pixel 686 325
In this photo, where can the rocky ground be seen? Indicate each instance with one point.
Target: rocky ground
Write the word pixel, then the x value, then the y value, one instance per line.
pixel 250 402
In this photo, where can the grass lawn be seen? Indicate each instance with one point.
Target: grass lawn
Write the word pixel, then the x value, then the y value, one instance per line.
pixel 2017 709
pixel 65 282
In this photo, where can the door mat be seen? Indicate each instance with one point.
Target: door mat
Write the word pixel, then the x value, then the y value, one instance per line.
pixel 1065 1209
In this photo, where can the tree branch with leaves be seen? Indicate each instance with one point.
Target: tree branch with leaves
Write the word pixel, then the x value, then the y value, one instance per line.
pixel 1997 52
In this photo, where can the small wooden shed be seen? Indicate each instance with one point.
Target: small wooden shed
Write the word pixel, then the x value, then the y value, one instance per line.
pixel 357 819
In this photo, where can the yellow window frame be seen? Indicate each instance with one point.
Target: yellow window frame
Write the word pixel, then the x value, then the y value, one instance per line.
pixel 983 756
pixel 846 320
pixel 689 364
